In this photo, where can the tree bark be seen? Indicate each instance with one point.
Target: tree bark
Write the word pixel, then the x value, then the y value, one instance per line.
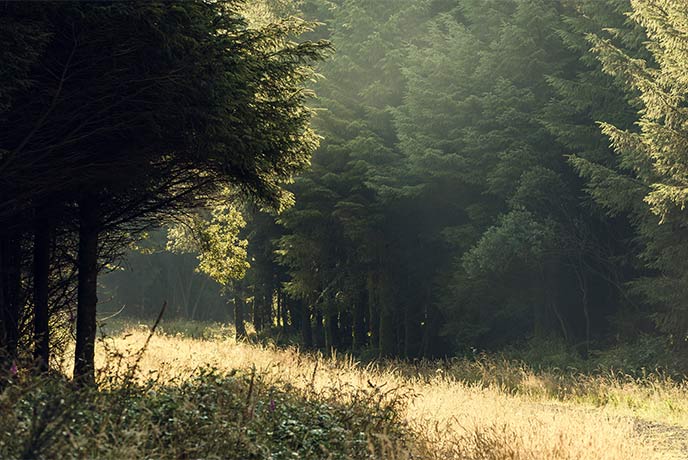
pixel 359 327
pixel 331 328
pixel 285 310
pixel 387 320
pixel 239 326
pixel 373 310
pixel 87 298
pixel 305 325
pixel 41 278
pixel 318 332
pixel 258 311
pixel 10 289
pixel 387 332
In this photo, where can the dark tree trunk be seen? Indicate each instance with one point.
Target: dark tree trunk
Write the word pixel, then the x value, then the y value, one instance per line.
pixel 387 332
pixel 239 315
pixel 413 330
pixel 433 321
pixel 294 308
pixel 318 332
pixel 346 330
pixel 41 277
pixel 331 329
pixel 305 324
pixel 359 327
pixel 10 290
pixel 87 298
pixel 583 285
pixel 388 320
pixel 408 331
pixel 258 309
pixel 373 310
pixel 283 308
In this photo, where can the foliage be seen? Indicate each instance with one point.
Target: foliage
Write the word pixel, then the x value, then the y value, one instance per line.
pixel 213 414
pixel 463 195
pixel 647 183
pixel 197 98
pixel 528 410
pixel 221 252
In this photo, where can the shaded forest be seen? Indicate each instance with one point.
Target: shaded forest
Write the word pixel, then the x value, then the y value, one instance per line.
pixel 407 178
pixel 490 173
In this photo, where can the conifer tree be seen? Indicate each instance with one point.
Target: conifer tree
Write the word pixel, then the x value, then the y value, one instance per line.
pixel 650 184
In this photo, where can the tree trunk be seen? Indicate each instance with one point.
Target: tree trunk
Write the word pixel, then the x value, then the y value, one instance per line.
pixel 388 323
pixel 258 301
pixel 331 329
pixel 583 285
pixel 359 327
pixel 387 332
pixel 346 334
pixel 285 310
pixel 41 278
pixel 294 308
pixel 432 322
pixel 87 298
pixel 373 311
pixel 10 290
pixel 318 333
pixel 239 326
pixel 305 324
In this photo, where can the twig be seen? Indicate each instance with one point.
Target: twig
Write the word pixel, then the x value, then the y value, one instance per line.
pixel 114 314
pixel 139 355
pixel 315 369
pixel 248 412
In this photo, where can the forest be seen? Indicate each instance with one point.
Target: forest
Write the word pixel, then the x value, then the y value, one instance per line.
pixel 489 173
pixel 384 198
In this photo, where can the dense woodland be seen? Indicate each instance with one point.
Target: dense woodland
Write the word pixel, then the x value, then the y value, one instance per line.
pixel 410 178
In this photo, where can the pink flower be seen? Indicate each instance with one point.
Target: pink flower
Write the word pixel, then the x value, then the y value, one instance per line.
pixel 272 405
pixel 13 369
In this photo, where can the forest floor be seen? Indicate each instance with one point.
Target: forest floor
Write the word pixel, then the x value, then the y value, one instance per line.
pixel 477 409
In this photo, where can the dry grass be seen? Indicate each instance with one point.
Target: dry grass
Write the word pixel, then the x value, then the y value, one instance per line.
pixel 465 409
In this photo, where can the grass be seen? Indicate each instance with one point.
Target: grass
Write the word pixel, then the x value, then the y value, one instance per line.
pixel 200 394
pixel 464 408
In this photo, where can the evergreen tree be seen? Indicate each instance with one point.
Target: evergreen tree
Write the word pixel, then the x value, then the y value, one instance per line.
pixel 649 184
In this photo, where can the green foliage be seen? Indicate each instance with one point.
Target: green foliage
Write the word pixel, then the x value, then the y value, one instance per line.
pixel 235 415
pixel 518 239
pixel 221 252
pixel 648 184
pixel 442 201
pixel 463 194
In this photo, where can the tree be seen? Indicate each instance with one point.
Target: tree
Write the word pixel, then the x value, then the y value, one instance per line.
pixel 649 183
pixel 221 252
pixel 193 99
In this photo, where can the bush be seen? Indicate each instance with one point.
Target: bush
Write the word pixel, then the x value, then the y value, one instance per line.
pixel 212 415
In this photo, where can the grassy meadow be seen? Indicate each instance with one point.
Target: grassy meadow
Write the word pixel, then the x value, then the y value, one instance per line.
pixel 195 393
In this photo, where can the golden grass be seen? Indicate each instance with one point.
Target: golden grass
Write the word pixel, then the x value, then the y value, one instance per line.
pixel 520 416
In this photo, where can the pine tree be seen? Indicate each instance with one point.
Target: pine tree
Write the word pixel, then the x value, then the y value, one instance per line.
pixel 652 158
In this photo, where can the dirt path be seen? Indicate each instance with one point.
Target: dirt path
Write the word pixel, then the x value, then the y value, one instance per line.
pixel 670 438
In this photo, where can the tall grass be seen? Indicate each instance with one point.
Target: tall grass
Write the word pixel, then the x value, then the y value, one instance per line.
pixel 483 408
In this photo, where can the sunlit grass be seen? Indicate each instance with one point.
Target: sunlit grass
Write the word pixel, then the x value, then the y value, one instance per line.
pixel 474 409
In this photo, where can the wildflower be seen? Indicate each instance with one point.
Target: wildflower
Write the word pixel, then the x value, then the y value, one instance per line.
pixel 272 405
pixel 13 369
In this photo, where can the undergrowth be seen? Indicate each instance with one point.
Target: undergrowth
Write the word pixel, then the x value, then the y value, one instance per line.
pixel 196 393
pixel 213 414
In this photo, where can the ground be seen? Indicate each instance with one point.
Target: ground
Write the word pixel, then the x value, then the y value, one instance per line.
pixel 481 408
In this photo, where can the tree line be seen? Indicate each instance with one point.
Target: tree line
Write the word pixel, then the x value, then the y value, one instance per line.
pixel 483 173
pixel 490 172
